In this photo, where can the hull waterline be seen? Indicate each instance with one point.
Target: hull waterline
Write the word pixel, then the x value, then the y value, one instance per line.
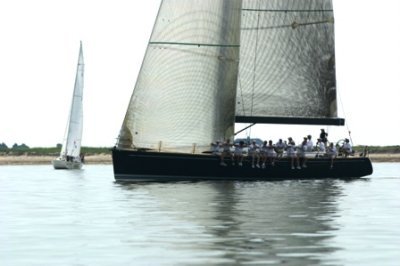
pixel 63 164
pixel 138 166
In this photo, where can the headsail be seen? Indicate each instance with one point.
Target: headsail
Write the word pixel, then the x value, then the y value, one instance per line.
pixel 287 63
pixel 185 91
pixel 73 134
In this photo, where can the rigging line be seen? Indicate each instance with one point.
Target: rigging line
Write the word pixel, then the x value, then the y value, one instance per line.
pixel 243 129
pixel 197 52
pixel 255 65
pixel 344 114
pixel 241 94
pixel 196 44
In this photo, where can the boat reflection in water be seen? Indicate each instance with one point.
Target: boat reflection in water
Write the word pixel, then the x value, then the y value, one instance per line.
pixel 289 222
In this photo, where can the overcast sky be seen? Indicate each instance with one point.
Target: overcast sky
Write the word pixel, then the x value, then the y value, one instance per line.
pixel 39 50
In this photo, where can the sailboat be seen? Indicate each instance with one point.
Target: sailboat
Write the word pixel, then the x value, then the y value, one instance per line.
pixel 212 63
pixel 70 155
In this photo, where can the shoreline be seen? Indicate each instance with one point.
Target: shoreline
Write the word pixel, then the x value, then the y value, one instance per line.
pixel 106 159
pixel 46 159
pixel 385 157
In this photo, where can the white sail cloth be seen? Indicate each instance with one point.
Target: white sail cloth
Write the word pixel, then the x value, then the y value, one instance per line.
pixel 184 96
pixel 211 60
pixel 73 133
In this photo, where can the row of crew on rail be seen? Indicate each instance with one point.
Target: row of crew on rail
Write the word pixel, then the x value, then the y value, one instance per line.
pixel 269 152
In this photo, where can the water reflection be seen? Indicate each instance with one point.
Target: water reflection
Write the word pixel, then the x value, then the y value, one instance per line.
pixel 241 222
pixel 50 217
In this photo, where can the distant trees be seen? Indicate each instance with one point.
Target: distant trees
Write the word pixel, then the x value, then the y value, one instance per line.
pixel 21 147
pixel 15 147
pixel 3 147
pixel 24 149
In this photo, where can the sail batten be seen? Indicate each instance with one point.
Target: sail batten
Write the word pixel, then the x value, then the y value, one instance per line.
pixel 196 44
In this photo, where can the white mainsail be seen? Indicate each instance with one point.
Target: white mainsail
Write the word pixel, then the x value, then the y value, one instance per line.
pixel 73 133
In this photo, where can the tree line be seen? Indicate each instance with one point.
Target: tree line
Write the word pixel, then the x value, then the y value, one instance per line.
pixel 19 149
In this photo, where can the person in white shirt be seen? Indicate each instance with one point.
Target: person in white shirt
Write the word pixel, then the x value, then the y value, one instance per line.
pixel 331 152
pixel 263 153
pixel 310 144
pixel 302 152
pixel 215 148
pixel 279 148
pixel 238 154
pixel 346 148
pixel 291 152
pixel 271 154
pixel 321 147
pixel 226 151
pixel 254 152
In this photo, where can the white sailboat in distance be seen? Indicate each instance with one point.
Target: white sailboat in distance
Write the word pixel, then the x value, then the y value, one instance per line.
pixel 70 155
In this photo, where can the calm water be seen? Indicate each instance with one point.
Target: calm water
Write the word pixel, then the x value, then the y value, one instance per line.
pixel 50 217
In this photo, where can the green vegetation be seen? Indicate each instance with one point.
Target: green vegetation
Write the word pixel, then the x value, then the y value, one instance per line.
pixel 379 149
pixel 15 147
pixel 96 150
pixel 53 151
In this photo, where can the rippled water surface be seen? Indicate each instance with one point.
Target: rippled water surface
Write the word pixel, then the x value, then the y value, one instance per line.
pixel 83 217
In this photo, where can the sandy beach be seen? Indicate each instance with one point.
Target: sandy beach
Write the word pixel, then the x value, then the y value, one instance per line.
pixel 106 159
pixel 385 157
pixel 30 159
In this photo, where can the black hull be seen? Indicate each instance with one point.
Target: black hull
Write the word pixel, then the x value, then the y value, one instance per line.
pixel 138 166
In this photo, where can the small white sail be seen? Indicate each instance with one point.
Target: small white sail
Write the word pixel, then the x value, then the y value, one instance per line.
pixel 71 148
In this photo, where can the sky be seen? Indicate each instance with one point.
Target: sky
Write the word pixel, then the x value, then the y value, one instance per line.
pixel 39 51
